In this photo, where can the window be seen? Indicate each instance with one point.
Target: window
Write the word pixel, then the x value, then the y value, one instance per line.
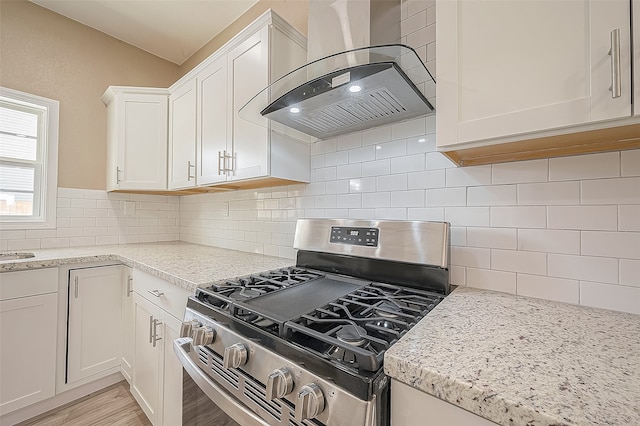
pixel 28 160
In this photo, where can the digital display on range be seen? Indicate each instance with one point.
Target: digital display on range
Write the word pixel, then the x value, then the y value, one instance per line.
pixel 355 236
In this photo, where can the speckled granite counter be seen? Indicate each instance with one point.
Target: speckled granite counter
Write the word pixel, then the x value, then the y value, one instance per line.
pixel 524 361
pixel 182 264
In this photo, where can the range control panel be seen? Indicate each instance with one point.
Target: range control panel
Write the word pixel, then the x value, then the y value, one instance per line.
pixel 355 236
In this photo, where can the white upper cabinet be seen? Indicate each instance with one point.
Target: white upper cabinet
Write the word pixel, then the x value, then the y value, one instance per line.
pixel 212 135
pixel 510 71
pixel 209 140
pixel 182 136
pixel 136 138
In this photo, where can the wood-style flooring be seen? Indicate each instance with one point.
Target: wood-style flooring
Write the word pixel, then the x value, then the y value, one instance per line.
pixel 109 407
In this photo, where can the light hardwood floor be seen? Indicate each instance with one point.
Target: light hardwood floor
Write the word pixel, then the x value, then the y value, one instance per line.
pixel 111 406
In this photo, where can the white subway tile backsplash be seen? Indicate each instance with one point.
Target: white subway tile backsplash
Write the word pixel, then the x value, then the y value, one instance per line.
pixel 336 158
pixel 447 197
pixel 458 236
pixel 436 160
pixel 596 218
pixel 492 280
pixel 519 261
pixel 376 199
pixel 349 201
pixel 376 168
pixel 349 171
pixel 468 176
pixel 359 155
pixel 629 218
pixel 83 203
pixel 558 289
pixel 349 141
pixel 414 23
pixel 391 149
pixel 323 146
pixel 337 187
pixel 467 216
pixel 583 268
pixel 520 172
pixel 630 163
pixel 500 238
pixel 471 257
pixel 611 244
pixel 519 217
pixel 617 297
pixel 324 174
pixel 428 214
pixel 48 243
pixel 410 163
pixel 422 37
pixel 415 6
pixel 376 135
pixel 363 185
pixel 552 193
pixel 496 195
pixel 409 128
pixel 457 275
pixel 549 241
pixel 413 198
pixel 426 179
pixel 391 213
pixel 592 166
pixel 24 244
pixel 421 144
pixel 611 191
pixel 392 182
pixel 630 272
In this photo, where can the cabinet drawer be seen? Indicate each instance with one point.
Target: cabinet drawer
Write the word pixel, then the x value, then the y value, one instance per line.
pixel 28 283
pixel 167 296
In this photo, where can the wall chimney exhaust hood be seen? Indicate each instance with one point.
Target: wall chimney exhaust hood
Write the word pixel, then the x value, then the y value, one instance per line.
pixel 348 85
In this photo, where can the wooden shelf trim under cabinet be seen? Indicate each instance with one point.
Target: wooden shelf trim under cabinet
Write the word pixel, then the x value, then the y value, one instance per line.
pixel 601 140
pixel 234 186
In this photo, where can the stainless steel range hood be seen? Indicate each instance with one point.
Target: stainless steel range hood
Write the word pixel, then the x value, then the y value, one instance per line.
pixel 345 87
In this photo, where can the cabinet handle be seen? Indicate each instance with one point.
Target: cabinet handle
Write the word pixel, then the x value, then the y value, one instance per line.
pixel 614 52
pixel 118 175
pixel 189 166
pixel 150 328
pixel 75 292
pixel 220 171
pixel 156 293
pixel 129 285
pixel 154 330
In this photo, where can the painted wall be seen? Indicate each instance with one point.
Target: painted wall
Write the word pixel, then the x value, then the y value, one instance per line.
pixel 46 54
pixel 565 229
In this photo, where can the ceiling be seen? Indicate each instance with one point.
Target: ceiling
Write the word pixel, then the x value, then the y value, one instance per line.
pixel 171 29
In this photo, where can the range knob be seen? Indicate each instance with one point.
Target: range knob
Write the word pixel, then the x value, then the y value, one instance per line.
pixel 279 383
pixel 187 327
pixel 202 336
pixel 234 356
pixel 309 402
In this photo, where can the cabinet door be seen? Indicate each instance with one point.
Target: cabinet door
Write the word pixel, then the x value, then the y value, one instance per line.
pixel 212 121
pixel 182 136
pixel 142 141
pixel 507 68
pixel 128 311
pixel 172 377
pixel 94 340
pixel 146 385
pixel 248 75
pixel 28 356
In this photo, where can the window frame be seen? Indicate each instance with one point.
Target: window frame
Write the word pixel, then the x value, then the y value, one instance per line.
pixel 46 175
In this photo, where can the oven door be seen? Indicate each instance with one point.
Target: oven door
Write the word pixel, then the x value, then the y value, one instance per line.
pixel 204 403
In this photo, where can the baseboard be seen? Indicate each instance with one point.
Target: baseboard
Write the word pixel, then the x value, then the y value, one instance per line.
pixel 56 401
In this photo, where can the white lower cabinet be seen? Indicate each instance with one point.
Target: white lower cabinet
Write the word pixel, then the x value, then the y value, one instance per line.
pixel 157 373
pixel 128 312
pixel 412 407
pixel 94 340
pixel 28 326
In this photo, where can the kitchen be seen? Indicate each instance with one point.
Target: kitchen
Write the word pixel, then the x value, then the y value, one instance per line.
pixel 563 229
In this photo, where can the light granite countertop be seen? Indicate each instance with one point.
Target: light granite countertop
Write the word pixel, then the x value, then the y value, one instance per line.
pixel 522 361
pixel 183 264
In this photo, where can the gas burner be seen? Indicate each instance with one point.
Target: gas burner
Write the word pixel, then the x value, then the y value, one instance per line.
pixel 352 335
pixel 247 293
pixel 387 309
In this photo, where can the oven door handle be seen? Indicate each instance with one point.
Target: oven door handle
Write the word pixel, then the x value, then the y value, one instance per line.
pixel 222 399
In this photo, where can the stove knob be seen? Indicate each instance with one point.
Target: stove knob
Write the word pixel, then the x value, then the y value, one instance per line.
pixel 234 356
pixel 279 383
pixel 309 402
pixel 202 336
pixel 187 327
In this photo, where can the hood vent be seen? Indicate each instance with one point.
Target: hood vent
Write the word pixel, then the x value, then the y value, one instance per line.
pixel 352 90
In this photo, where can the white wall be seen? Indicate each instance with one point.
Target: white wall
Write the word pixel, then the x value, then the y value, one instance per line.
pixel 92 217
pixel 564 229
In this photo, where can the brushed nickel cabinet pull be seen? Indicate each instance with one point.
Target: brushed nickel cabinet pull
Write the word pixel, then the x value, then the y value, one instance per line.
pixel 129 285
pixel 614 52
pixel 156 293
pixel 189 166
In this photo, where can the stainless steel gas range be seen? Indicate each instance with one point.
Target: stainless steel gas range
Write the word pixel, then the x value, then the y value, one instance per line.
pixel 304 345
